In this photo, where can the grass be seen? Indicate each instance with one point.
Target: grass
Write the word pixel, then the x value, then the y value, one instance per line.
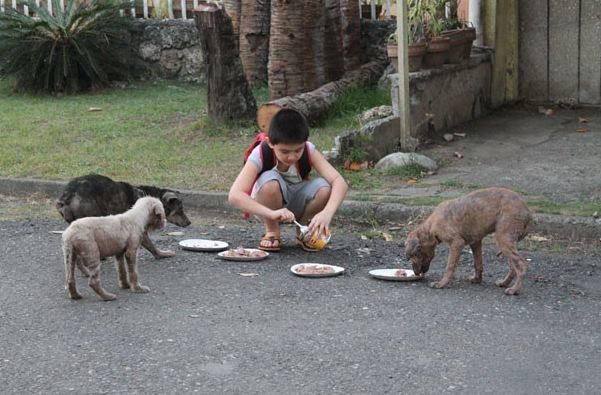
pixel 154 133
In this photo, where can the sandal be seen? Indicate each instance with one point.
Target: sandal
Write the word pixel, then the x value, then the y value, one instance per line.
pixel 272 240
pixel 304 245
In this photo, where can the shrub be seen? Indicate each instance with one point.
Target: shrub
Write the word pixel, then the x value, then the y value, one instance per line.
pixel 84 46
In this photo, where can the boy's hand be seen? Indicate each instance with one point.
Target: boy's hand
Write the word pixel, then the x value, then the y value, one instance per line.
pixel 320 224
pixel 282 215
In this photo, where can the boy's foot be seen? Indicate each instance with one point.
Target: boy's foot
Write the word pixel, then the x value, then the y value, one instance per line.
pixel 304 245
pixel 271 243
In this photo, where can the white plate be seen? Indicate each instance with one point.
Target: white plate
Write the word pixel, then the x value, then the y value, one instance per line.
pixel 222 255
pixel 203 245
pixel 390 274
pixel 337 270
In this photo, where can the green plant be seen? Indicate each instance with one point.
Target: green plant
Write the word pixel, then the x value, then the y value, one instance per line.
pixel 84 46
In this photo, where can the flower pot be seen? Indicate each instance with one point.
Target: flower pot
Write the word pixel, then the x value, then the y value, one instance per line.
pixel 469 37
pixel 437 52
pixel 415 55
pixel 457 45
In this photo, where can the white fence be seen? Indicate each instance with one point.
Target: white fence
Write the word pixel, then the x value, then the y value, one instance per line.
pixel 183 9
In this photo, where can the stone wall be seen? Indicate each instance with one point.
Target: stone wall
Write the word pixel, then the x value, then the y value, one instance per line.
pixel 170 49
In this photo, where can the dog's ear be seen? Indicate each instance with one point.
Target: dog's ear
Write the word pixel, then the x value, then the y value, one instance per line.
pixel 169 197
pixel 412 247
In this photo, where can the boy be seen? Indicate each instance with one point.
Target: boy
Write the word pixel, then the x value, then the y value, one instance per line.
pixel 282 192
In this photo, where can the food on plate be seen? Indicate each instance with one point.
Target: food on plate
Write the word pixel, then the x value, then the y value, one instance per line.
pixel 314 269
pixel 400 273
pixel 243 252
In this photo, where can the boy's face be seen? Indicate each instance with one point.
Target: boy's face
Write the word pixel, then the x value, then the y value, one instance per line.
pixel 288 153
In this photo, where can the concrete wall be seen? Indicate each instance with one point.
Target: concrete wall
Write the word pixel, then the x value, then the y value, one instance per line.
pixel 446 97
pixel 559 47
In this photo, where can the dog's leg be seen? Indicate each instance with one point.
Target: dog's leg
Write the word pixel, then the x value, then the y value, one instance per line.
pixel 94 280
pixel 477 253
pixel 71 286
pixel 517 265
pixel 156 252
pixel 454 255
pixel 121 273
pixel 84 270
pixel 132 272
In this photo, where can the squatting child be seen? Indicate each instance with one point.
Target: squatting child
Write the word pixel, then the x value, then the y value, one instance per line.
pixel 277 175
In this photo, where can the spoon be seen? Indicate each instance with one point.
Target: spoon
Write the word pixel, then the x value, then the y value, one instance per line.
pixel 304 229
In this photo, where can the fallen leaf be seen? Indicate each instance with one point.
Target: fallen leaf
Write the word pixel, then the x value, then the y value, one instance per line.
pixel 363 237
pixel 248 274
pixel 393 228
pixel 459 134
pixel 582 120
pixel 582 130
pixel 457 155
pixel 221 226
pixel 175 233
pixel 194 316
pixel 412 181
pixel 387 236
pixel 56 232
pixel 94 109
pixel 549 112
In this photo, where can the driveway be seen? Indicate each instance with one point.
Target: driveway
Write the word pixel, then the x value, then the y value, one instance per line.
pixel 206 328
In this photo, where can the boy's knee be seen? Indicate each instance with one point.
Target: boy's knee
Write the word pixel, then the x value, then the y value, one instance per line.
pixel 270 188
pixel 323 194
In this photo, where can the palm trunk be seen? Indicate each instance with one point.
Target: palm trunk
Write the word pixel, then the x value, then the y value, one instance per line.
pixel 233 9
pixel 351 33
pixel 334 60
pixel 286 46
pixel 314 74
pixel 254 40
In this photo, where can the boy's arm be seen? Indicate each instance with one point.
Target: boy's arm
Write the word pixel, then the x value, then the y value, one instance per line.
pixel 339 189
pixel 239 197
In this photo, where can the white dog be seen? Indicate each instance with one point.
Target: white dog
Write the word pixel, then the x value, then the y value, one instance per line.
pixel 87 240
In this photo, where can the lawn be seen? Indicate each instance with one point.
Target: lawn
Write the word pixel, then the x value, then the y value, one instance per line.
pixel 148 133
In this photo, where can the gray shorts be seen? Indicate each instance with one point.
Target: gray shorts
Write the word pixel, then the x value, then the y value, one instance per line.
pixel 296 196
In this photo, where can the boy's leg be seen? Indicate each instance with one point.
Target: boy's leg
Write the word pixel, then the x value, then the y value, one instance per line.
pixel 270 195
pixel 317 204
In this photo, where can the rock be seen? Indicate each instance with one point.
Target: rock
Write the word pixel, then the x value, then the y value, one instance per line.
pixel 399 159
pixel 448 137
pixel 376 113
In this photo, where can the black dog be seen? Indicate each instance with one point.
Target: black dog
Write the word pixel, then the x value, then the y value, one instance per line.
pixel 97 196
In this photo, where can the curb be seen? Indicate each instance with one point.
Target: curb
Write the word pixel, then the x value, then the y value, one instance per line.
pixel 564 226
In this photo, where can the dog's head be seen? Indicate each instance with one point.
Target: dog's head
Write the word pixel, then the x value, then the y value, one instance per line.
pixel 174 209
pixel 419 249
pixel 156 215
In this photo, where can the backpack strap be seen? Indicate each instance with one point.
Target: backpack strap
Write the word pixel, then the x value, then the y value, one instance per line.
pixel 304 163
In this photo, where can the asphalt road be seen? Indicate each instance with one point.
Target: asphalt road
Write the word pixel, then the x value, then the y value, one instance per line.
pixel 205 328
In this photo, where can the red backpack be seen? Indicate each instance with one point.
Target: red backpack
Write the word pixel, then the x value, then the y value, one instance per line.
pixel 269 160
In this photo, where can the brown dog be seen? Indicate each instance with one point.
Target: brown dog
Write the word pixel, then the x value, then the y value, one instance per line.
pixel 87 240
pixel 466 221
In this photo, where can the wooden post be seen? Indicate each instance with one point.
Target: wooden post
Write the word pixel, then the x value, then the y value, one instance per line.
pixel 229 95
pixel 403 60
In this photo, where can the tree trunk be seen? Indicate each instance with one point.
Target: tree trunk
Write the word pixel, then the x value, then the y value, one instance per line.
pixel 334 60
pixel 233 9
pixel 229 95
pixel 351 34
pixel 286 46
pixel 315 105
pixel 313 65
pixel 254 40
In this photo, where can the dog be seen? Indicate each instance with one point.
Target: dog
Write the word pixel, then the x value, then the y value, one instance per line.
pixel 87 240
pixel 94 195
pixel 466 221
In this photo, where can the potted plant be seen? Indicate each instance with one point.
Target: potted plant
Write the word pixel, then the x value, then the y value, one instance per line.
pixel 438 45
pixel 417 44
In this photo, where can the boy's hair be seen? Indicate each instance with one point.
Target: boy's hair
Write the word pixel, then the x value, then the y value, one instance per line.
pixel 288 126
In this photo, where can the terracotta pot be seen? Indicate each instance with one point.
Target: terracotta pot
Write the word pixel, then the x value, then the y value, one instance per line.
pixel 415 54
pixel 457 49
pixel 469 37
pixel 437 52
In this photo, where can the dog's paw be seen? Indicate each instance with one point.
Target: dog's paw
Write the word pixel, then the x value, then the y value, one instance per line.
pixel 512 291
pixel 476 280
pixel 108 297
pixel 165 254
pixel 75 296
pixel 501 283
pixel 140 289
pixel 124 285
pixel 437 284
